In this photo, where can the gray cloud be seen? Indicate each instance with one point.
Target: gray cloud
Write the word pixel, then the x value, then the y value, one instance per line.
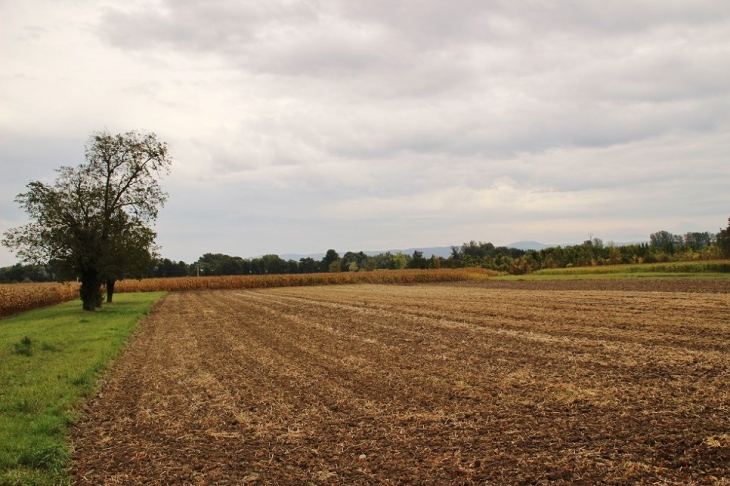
pixel 380 124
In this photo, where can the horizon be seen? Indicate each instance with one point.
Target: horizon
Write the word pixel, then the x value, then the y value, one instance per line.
pixel 297 127
pixel 427 250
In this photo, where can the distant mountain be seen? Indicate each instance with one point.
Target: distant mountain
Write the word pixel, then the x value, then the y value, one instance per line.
pixel 428 251
pixel 297 256
pixel 528 245
pixel 439 251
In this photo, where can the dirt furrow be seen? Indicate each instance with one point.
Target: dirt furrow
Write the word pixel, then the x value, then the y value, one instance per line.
pixel 416 385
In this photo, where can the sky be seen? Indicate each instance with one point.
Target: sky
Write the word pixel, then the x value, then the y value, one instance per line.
pixel 299 126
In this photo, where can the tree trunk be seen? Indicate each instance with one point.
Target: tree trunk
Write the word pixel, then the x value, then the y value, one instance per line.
pixel 110 290
pixel 90 291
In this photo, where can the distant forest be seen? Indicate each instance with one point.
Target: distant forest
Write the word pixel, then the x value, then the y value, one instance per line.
pixel 663 246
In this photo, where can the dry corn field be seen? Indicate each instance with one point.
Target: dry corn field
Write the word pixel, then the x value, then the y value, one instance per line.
pixel 494 383
pixel 21 297
pixel 16 298
pixel 303 279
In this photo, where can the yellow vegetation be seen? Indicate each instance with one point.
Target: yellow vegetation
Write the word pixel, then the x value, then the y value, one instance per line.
pixel 21 297
pixel 302 280
pixel 16 298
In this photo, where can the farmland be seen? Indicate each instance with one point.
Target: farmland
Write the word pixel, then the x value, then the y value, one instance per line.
pixel 15 298
pixel 49 363
pixel 21 297
pixel 492 382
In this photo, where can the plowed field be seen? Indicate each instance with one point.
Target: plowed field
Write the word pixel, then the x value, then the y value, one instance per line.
pixel 424 384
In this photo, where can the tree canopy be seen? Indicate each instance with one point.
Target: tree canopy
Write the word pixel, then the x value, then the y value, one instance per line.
pixel 723 240
pixel 94 221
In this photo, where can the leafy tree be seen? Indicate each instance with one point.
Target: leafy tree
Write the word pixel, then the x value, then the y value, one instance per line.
pixel 663 241
pixel 347 259
pixel 434 262
pixel 308 265
pixel 474 249
pixel 335 266
pixel 27 273
pixel 370 264
pixel 329 257
pixel 168 268
pixel 454 259
pixel 723 240
pixel 292 266
pixel 417 260
pixel 614 255
pixel 274 264
pixel 383 260
pixel 698 241
pixel 89 219
pixel 130 254
pixel 399 261
pixel 359 259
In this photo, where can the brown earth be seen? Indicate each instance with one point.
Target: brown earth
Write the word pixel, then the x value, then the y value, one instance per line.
pixel 429 384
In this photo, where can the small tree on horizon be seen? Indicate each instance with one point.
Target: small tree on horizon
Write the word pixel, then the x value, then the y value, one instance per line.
pixel 723 240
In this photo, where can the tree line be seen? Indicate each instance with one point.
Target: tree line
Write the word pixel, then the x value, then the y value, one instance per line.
pixel 219 264
pixel 662 246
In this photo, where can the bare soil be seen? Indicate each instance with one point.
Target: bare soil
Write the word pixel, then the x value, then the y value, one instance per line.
pixel 424 384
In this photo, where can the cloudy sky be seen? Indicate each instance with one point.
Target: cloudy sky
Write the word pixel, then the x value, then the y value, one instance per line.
pixel 298 126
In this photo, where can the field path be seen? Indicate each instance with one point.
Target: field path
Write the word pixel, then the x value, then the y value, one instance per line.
pixel 425 384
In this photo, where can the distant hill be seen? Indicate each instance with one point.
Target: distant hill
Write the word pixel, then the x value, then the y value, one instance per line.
pixel 528 245
pixel 297 256
pixel 439 251
pixel 428 251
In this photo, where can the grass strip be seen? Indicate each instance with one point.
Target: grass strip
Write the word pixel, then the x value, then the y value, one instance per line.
pixel 50 361
pixel 616 276
pixel 713 269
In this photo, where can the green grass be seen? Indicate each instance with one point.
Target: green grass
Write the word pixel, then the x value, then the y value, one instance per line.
pixel 721 266
pixel 698 270
pixel 50 360
pixel 614 276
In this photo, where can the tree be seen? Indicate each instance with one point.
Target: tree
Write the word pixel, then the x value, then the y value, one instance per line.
pixel 723 240
pixel 663 241
pixel 399 261
pixel 130 254
pixel 417 260
pixel 308 265
pixel 476 249
pixel 274 264
pixel 370 264
pixel 348 259
pixel 93 221
pixel 329 257
pixel 697 241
